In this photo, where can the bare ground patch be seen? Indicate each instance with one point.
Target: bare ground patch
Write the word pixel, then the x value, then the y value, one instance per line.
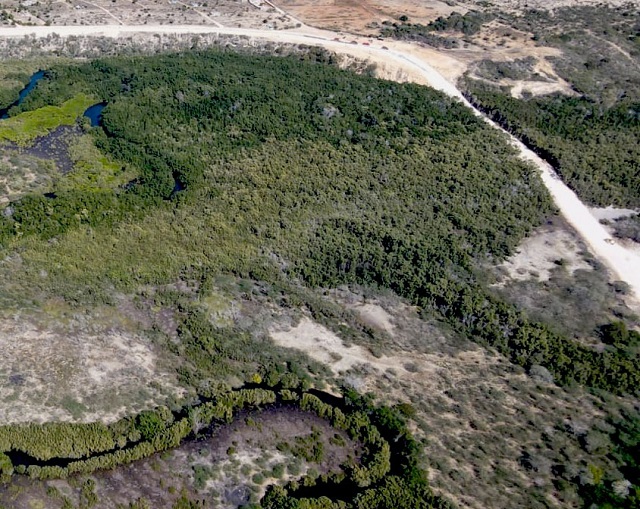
pixel 229 13
pixel 21 174
pixel 364 16
pixel 612 213
pixel 555 280
pixel 545 250
pixel 65 375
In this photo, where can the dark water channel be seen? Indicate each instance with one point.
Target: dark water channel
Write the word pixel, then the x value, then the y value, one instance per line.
pixel 203 466
pixel 4 113
pixel 94 114
pixel 22 458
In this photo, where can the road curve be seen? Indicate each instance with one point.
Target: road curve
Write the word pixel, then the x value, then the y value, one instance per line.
pixel 623 263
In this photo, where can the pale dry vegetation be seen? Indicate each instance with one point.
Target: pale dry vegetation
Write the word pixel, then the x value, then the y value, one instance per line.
pixel 494 436
pixel 539 255
pixel 21 174
pixel 78 371
pixel 146 12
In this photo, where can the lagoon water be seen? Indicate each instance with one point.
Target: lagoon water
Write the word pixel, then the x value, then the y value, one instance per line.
pixel 4 113
pixel 94 114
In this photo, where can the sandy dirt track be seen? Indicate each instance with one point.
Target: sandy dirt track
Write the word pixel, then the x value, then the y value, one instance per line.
pixel 397 62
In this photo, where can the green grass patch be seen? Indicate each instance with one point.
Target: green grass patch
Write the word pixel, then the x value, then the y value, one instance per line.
pixel 92 169
pixel 29 125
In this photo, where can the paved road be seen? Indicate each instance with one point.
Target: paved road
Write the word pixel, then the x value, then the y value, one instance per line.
pixel 623 263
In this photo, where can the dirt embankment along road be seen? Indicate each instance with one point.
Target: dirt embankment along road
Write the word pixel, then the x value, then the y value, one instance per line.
pixel 395 61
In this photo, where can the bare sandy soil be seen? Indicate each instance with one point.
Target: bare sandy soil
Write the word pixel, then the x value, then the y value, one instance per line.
pixel 366 16
pixel 20 174
pixel 324 346
pixel 66 375
pixel 541 253
pixel 218 13
pixel 611 213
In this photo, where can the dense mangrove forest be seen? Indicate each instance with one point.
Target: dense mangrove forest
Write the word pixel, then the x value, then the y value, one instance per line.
pixel 294 174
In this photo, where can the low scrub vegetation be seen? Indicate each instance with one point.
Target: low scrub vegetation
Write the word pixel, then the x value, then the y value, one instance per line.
pixel 590 138
pixel 593 148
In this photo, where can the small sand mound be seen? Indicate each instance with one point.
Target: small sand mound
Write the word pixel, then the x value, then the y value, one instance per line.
pixel 322 345
pixel 376 316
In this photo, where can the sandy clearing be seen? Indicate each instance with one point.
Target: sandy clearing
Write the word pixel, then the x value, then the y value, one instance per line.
pixel 544 68
pixel 106 11
pixel 364 16
pixel 200 13
pixel 324 346
pixel 539 254
pixel 611 213
pixel 623 263
pixel 537 88
pixel 58 375
pixel 376 316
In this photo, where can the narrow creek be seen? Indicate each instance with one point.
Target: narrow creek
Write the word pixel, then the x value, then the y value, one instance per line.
pixel 21 458
pixel 93 113
pixel 228 466
pixel 4 112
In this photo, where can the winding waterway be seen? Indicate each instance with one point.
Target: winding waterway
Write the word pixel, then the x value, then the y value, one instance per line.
pixel 4 112
pixel 93 113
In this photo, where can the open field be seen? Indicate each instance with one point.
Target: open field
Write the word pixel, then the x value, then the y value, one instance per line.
pixel 218 13
pixel 364 17
pixel 79 372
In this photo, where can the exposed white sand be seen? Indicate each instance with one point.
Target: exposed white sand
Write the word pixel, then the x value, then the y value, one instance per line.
pixel 324 346
pixel 376 316
pixel 538 255
pixel 611 213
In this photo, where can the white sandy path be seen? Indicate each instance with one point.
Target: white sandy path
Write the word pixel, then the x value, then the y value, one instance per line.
pixel 622 262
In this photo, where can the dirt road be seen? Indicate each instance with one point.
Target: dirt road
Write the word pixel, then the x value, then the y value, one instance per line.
pixel 396 62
